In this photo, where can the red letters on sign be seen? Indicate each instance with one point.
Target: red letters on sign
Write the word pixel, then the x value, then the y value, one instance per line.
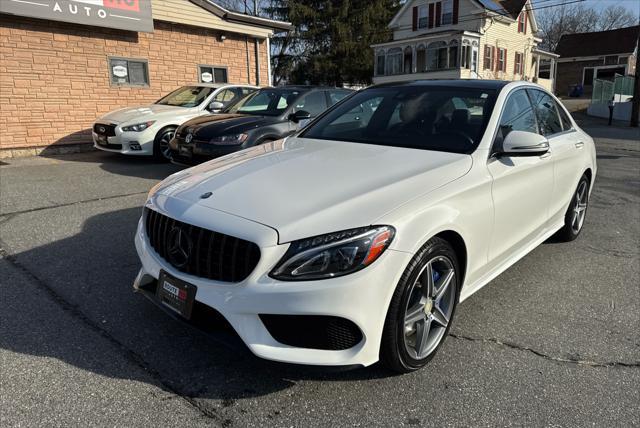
pixel 133 5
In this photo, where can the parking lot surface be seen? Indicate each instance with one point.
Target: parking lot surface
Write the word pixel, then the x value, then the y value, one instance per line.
pixel 555 340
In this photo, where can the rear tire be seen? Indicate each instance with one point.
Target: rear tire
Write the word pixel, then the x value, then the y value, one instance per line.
pixel 576 213
pixel 422 308
pixel 161 149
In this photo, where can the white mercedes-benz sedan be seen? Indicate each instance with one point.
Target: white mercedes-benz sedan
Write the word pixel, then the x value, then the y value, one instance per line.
pixel 147 130
pixel 355 239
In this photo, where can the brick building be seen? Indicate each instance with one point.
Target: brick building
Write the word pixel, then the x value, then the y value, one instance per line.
pixel 585 57
pixel 57 76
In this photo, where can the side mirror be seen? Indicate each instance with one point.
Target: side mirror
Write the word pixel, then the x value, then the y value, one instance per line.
pixel 523 143
pixel 215 106
pixel 299 115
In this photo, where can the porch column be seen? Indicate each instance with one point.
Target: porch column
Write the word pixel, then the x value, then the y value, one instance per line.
pixel 414 59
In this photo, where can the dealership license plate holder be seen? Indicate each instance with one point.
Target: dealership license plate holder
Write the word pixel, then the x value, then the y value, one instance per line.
pixel 175 294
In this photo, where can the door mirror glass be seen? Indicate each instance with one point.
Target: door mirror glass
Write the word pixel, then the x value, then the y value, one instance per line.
pixel 215 106
pixel 299 116
pixel 523 143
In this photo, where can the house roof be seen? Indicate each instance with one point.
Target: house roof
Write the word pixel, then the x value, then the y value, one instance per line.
pixel 511 8
pixel 243 18
pixel 508 8
pixel 609 42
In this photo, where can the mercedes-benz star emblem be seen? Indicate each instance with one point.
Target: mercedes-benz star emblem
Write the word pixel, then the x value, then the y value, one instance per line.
pixel 102 129
pixel 188 138
pixel 178 247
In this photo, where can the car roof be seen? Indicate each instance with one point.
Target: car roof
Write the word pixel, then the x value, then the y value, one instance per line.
pixel 309 87
pixel 458 83
pixel 220 85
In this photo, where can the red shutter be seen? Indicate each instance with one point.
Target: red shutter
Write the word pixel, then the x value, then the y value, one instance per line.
pixel 430 15
pixel 438 13
pixel 515 63
pixel 525 21
pixel 456 10
pixel 415 18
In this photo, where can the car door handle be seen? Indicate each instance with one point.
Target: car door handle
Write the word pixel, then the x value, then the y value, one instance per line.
pixel 579 144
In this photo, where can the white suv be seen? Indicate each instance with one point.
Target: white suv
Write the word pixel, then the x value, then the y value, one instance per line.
pixel 147 130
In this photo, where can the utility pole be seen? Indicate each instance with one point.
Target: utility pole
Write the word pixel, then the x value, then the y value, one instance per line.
pixel 635 106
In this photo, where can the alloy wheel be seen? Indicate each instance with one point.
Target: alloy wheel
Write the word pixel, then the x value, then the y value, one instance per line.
pixel 579 207
pixel 429 307
pixel 164 144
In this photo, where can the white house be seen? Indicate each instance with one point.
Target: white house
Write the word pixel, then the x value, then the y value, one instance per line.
pixel 461 39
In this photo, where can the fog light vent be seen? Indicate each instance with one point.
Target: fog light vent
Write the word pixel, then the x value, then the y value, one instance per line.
pixel 313 331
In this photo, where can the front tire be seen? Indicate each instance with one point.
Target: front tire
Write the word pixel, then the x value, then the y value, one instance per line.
pixel 576 213
pixel 422 308
pixel 161 149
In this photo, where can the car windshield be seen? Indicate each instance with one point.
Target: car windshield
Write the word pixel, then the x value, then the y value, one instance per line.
pixel 450 119
pixel 266 102
pixel 187 96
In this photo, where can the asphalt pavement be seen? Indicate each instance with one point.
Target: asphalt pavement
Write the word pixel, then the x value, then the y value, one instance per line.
pixel 555 340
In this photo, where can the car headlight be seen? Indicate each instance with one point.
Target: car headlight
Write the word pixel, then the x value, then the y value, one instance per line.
pixel 138 127
pixel 333 254
pixel 229 140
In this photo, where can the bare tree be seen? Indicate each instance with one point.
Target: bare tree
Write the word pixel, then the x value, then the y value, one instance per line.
pixel 616 17
pixel 569 19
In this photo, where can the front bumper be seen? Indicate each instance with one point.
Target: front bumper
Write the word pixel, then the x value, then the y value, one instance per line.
pixel 197 152
pixel 361 298
pixel 128 143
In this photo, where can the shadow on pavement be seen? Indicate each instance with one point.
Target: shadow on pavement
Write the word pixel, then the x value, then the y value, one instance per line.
pixel 90 276
pixel 115 163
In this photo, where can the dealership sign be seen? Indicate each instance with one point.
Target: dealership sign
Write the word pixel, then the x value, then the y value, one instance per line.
pixel 132 15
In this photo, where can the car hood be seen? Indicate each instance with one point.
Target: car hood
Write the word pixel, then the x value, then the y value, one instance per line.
pixel 206 127
pixel 150 112
pixel 306 187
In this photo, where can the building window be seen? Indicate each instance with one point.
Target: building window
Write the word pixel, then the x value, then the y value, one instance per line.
pixel 544 69
pixel 211 74
pixel 522 22
pixel 380 64
pixel 408 60
pixel 453 54
pixel 587 79
pixel 394 61
pixel 129 72
pixel 465 55
pixel 611 60
pixel 423 16
pixel 421 59
pixel 518 66
pixel 502 59
pixel 447 12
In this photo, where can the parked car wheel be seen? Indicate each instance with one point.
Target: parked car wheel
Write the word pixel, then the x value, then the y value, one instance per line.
pixel 422 308
pixel 161 149
pixel 576 213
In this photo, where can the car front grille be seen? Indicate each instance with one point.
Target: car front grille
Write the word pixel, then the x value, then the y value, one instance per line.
pixel 104 129
pixel 201 252
pixel 313 331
